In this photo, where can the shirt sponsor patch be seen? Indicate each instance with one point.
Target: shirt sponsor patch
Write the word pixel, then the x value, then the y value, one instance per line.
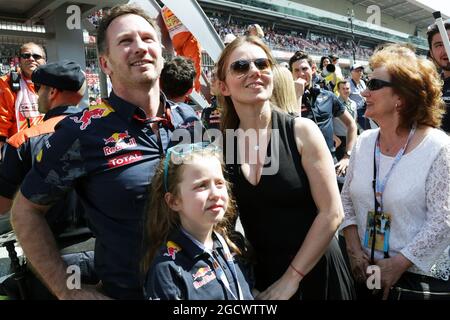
pixel 118 141
pixel 172 249
pixel 125 159
pixel 203 276
pixel 94 112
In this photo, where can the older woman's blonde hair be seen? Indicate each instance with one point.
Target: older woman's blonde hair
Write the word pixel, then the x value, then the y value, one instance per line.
pixel 414 79
pixel 230 119
pixel 283 95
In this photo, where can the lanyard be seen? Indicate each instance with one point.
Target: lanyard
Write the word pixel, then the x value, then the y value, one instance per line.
pixel 220 274
pixel 380 185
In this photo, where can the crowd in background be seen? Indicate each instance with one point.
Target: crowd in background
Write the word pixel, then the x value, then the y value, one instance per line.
pixel 294 41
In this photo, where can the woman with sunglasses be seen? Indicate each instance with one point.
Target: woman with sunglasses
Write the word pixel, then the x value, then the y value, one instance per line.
pixel 397 193
pixel 284 182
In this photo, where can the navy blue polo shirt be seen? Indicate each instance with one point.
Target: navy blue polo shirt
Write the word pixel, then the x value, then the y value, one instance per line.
pixel 321 106
pixel 183 271
pixel 211 116
pixel 109 156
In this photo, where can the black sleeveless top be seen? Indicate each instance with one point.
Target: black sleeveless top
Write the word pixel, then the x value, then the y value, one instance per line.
pixel 277 214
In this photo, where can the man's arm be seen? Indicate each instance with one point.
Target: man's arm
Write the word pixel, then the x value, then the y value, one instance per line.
pixel 12 172
pixel 299 86
pixel 350 124
pixel 2 142
pixel 7 108
pixel 39 246
pixel 38 243
pixel 5 205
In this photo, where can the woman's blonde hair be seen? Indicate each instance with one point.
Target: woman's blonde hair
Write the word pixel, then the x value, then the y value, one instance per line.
pixel 161 220
pixel 414 79
pixel 283 95
pixel 230 119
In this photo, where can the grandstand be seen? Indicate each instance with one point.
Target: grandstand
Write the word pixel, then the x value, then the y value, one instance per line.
pixel 321 28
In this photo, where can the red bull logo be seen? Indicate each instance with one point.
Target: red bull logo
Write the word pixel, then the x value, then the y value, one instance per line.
pixel 94 112
pixel 203 276
pixel 201 272
pixel 117 137
pixel 172 249
pixel 119 141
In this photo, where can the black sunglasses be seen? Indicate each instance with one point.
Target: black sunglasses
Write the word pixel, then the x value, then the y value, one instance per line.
pixel 37 86
pixel 240 67
pixel 29 55
pixel 377 84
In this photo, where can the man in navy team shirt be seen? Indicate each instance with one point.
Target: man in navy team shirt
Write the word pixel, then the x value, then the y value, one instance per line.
pixel 108 154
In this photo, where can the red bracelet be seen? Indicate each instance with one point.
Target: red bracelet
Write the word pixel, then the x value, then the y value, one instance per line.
pixel 300 273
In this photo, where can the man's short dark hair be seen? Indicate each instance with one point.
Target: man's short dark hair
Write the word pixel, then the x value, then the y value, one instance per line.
pixel 177 77
pixel 433 29
pixel 117 11
pixel 300 55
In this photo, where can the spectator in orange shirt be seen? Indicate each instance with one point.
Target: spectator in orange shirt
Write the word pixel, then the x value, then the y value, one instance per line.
pixel 18 99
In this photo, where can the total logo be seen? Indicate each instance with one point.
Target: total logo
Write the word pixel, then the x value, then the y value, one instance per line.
pixel 118 141
pixel 125 159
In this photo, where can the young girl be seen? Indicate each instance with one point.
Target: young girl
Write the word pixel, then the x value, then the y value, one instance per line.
pixel 190 254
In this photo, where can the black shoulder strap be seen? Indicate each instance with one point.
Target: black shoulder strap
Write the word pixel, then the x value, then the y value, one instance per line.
pixel 14 81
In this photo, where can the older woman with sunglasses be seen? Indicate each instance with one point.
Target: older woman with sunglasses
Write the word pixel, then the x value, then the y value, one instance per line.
pixel 397 193
pixel 284 182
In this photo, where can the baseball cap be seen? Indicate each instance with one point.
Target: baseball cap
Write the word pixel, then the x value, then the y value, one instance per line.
pixel 333 57
pixel 356 66
pixel 64 75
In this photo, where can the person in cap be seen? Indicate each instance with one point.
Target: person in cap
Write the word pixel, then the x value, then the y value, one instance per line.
pixel 228 39
pixel 440 57
pixel 357 86
pixel 60 87
pixel 108 154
